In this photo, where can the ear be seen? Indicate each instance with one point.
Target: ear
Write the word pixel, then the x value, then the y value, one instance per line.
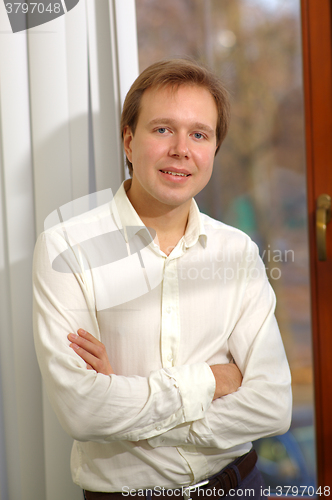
pixel 127 140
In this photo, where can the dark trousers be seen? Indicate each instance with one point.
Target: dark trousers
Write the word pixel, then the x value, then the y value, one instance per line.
pixel 251 488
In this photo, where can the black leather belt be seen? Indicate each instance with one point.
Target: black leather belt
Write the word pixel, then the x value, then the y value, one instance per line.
pixel 217 486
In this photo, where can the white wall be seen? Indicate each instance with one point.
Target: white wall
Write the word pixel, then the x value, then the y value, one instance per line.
pixel 53 149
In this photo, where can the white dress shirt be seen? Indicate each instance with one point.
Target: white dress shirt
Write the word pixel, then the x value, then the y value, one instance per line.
pixel 163 320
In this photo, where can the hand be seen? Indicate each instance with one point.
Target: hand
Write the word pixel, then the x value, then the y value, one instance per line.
pixel 228 379
pixel 91 351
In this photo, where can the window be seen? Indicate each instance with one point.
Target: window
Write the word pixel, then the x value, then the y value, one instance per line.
pixel 259 179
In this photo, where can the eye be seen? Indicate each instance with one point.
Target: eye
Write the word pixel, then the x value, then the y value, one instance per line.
pixel 198 135
pixel 161 130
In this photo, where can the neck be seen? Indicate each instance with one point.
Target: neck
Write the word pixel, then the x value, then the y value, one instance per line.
pixel 169 222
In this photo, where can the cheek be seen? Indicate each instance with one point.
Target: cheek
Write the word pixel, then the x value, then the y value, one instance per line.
pixel 149 152
pixel 205 159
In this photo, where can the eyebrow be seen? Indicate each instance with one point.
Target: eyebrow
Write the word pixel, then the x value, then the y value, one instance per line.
pixel 169 121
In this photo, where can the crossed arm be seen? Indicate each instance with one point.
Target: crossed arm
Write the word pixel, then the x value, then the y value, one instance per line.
pixel 158 406
pixel 227 376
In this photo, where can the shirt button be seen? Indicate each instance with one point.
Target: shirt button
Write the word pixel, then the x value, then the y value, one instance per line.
pixel 170 357
pixel 169 309
pixel 158 428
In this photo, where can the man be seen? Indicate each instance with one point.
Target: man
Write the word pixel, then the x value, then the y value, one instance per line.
pixel 150 383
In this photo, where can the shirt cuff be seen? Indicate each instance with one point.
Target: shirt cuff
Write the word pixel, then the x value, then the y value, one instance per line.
pixel 196 385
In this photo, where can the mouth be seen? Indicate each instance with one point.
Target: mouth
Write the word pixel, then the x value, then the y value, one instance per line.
pixel 178 174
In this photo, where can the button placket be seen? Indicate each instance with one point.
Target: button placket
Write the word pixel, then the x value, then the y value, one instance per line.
pixel 170 320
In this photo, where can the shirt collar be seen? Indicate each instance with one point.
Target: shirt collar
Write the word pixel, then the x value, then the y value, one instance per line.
pixel 195 229
pixel 127 218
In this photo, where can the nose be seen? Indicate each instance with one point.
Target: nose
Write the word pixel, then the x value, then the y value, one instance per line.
pixel 179 147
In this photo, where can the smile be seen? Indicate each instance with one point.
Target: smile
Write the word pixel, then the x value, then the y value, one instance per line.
pixel 174 173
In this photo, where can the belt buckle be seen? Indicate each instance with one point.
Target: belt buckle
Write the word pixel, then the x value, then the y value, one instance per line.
pixel 188 489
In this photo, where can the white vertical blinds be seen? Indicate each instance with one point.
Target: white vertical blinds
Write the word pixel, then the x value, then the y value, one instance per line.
pixel 125 15
pixel 104 94
pixel 50 153
pixel 22 445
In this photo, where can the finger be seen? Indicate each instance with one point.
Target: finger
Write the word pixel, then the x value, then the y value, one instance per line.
pixel 91 350
pixel 86 335
pixel 89 358
pixel 99 348
pixel 92 347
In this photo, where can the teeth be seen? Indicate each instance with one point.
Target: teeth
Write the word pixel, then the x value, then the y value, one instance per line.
pixel 175 173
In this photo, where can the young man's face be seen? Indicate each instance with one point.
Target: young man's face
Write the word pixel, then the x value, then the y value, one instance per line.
pixel 175 134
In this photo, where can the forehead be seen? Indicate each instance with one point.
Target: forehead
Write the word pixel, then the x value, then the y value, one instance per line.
pixel 185 99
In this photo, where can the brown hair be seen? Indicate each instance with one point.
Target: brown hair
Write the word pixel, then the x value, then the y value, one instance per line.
pixel 175 72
